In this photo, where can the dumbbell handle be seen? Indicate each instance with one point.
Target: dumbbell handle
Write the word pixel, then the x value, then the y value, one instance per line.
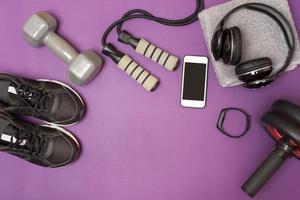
pixel 266 170
pixel 138 73
pixel 60 47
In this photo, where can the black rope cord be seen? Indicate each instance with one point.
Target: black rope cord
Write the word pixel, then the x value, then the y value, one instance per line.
pixel 142 14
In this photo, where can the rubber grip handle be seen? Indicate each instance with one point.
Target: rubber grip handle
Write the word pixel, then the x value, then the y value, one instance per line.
pixel 138 73
pixel 157 55
pixel 265 171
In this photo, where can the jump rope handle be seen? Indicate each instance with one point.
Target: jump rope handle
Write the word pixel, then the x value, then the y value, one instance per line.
pixel 150 51
pixel 138 73
pixel 131 68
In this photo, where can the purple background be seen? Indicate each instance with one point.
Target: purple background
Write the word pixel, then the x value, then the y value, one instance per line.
pixel 139 145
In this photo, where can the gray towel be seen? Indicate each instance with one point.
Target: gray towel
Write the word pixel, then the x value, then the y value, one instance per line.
pixel 262 37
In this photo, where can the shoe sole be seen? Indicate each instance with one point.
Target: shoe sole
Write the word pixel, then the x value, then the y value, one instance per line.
pixel 68 134
pixel 70 88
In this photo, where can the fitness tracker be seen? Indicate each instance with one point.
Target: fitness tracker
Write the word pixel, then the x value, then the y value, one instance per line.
pixel 222 117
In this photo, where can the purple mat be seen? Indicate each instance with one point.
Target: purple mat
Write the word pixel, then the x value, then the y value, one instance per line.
pixel 139 145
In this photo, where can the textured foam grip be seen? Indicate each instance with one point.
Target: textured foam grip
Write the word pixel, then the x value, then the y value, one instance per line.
pixel 138 73
pixel 157 55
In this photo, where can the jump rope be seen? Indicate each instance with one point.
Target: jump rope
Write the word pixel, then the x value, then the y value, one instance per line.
pixel 141 46
pixel 143 14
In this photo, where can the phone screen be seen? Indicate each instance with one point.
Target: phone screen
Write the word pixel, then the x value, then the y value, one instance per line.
pixel 194 81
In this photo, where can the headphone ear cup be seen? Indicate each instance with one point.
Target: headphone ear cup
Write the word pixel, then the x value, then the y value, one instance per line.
pixel 232 48
pixel 237 46
pixel 217 44
pixel 254 70
pixel 226 52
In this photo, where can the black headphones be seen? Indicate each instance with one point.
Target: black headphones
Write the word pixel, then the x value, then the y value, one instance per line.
pixel 227 45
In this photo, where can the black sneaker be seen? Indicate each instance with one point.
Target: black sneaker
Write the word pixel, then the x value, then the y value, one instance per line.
pixel 51 101
pixel 46 146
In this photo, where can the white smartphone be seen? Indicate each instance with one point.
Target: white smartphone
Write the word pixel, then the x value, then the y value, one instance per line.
pixel 194 82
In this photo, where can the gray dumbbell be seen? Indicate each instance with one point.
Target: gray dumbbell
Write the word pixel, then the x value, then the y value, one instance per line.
pixel 40 30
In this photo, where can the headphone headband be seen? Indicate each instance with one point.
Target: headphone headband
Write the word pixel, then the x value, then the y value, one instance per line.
pixel 284 26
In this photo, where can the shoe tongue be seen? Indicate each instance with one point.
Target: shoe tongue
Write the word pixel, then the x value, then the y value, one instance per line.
pixel 8 94
pixel 7 133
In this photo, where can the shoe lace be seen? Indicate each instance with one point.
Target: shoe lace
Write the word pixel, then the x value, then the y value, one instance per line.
pixel 29 139
pixel 36 99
